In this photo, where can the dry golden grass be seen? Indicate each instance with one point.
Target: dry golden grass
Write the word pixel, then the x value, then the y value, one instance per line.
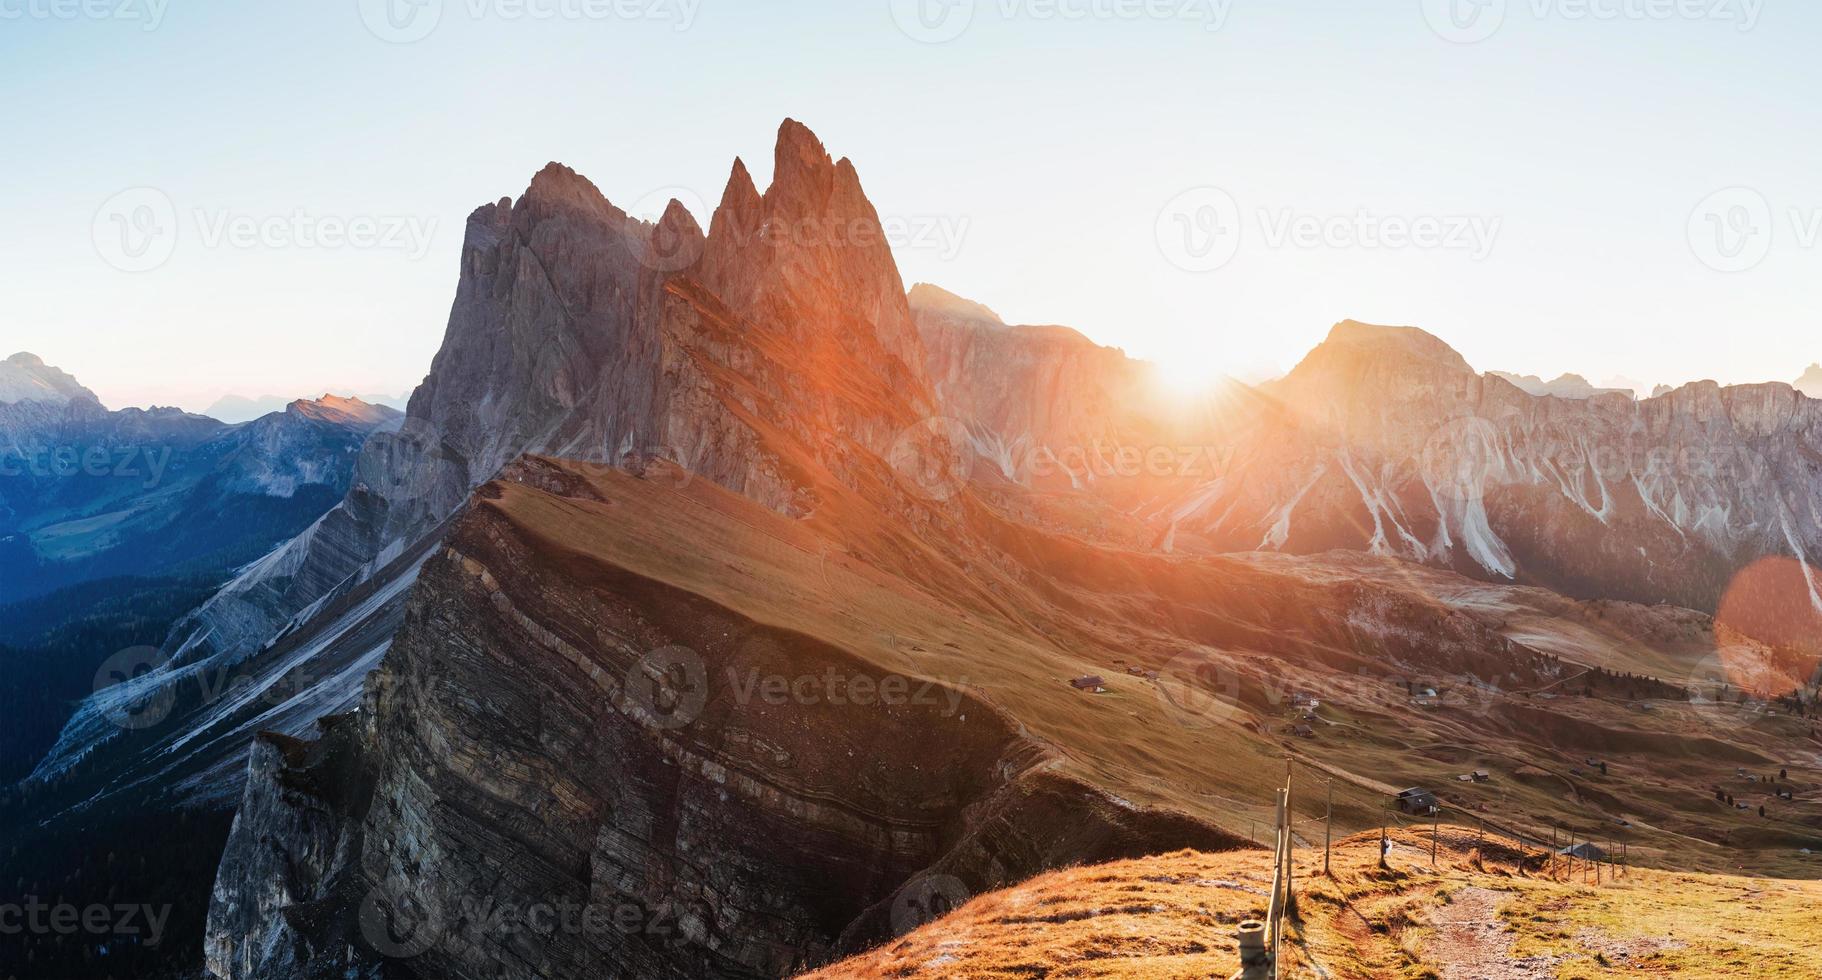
pixel 1482 912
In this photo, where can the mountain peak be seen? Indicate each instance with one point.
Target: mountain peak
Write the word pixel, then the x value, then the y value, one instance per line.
pixel 1811 382
pixel 927 298
pixel 558 186
pixel 341 410
pixel 1353 335
pixel 798 147
pixel 1572 386
pixel 25 377
pixel 812 240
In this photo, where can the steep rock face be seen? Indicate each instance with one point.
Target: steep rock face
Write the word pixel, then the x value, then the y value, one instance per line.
pixel 293 849
pixel 637 725
pixel 1028 395
pixel 1389 442
pixel 577 331
pixel 533 752
pixel 813 242
pixel 1385 440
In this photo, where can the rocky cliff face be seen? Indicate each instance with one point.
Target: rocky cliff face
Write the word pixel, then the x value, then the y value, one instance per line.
pixel 577 761
pixel 1030 394
pixel 1389 442
pixel 640 726
pixel 1385 440
pixel 576 331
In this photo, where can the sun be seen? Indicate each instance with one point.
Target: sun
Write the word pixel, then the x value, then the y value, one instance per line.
pixel 1184 377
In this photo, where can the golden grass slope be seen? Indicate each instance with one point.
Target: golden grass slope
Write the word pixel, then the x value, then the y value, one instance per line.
pixel 1483 911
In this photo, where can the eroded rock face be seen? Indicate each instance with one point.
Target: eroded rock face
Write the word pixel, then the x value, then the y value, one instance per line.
pixel 551 816
pixel 577 331
pixel 1385 440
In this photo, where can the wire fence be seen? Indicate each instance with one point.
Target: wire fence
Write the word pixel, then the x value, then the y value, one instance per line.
pixel 1566 856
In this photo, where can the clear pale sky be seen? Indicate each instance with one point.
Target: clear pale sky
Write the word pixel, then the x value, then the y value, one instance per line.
pixel 1033 159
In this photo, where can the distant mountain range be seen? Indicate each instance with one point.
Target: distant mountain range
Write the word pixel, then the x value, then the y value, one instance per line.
pixel 240 408
pixel 1565 386
pixel 1811 382
pixel 87 493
